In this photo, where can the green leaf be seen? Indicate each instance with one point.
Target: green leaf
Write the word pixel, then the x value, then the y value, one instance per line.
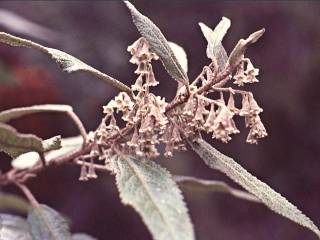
pixel 14 143
pixel 82 236
pixel 30 159
pixel 10 201
pixel 46 223
pixel 14 113
pixel 214 186
pixel 273 200
pixel 215 50
pixel 66 62
pixel 180 55
pixel 238 52
pixel 150 190
pixel 158 44
pixel 13 228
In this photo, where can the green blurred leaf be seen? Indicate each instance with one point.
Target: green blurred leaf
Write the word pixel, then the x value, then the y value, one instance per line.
pixel 14 143
pixel 13 228
pixel 273 200
pixel 158 44
pixel 10 201
pixel 150 190
pixel 46 223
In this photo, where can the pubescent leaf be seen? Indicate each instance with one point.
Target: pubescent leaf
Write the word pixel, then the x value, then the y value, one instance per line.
pixel 158 44
pixel 13 228
pixel 214 186
pixel 180 54
pixel 150 190
pixel 67 62
pixel 14 143
pixel 46 223
pixel 273 200
pixel 215 50
pixel 11 114
pixel 238 52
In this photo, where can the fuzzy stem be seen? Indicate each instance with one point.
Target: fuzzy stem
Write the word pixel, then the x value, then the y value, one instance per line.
pixel 28 194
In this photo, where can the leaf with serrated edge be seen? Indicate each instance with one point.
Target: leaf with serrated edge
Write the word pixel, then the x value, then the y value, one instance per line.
pixel 67 62
pixel 214 186
pixel 158 44
pixel 46 223
pixel 13 228
pixel 150 190
pixel 14 113
pixel 14 143
pixel 238 52
pixel 273 200
pixel 82 236
pixel 180 54
pixel 215 50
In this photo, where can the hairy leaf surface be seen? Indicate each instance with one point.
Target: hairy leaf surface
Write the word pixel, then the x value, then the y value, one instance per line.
pixel 158 44
pixel 150 190
pixel 215 50
pixel 238 52
pixel 14 143
pixel 46 223
pixel 180 54
pixel 13 228
pixel 66 62
pixel 273 200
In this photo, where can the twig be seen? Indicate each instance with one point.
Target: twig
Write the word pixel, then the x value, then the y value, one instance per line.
pixel 28 194
pixel 79 124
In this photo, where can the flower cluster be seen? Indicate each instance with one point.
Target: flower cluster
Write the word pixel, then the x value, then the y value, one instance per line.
pixel 147 122
pixel 246 76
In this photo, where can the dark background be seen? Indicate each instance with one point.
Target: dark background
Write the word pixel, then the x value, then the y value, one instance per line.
pixel 98 32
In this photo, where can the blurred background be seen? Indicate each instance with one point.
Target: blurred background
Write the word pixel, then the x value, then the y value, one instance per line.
pixel 98 32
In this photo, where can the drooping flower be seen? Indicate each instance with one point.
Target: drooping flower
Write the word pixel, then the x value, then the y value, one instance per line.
pixel 208 126
pixel 91 170
pixel 224 124
pixel 251 72
pixel 254 107
pixel 245 109
pixel 231 105
pixel 257 131
pixel 83 173
pixel 240 77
